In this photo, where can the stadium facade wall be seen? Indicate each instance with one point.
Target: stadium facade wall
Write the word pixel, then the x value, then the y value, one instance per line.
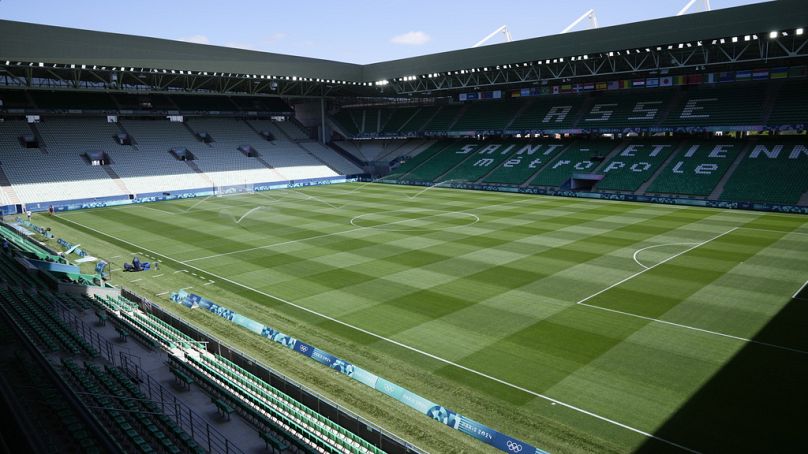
pixel 100 202
pixel 752 206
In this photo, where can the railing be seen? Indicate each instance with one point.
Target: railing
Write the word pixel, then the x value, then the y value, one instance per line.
pixel 346 418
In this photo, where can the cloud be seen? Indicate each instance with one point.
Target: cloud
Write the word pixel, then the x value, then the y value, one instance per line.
pixel 411 38
pixel 197 39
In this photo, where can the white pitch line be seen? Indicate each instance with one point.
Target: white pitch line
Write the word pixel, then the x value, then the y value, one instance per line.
pixel 209 283
pixel 775 231
pixel 155 209
pixel 637 252
pixel 653 266
pixel 693 328
pixel 283 243
pixel 159 275
pixel 161 294
pixel 178 271
pixel 115 257
pixel 416 350
pixel 136 280
pixel 799 290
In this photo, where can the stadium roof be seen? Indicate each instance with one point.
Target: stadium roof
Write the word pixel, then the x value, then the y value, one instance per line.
pixel 49 44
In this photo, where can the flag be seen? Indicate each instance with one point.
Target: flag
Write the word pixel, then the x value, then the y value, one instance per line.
pixel 601 86
pixel 726 76
pixel 613 84
pixel 556 89
pixel 679 80
pixel 778 73
pixel 798 71
pixel 638 83
pixel 743 75
pixel 760 74
pixel 625 83
pixel 695 79
pixel 652 82
pixel 666 81
pixel 516 94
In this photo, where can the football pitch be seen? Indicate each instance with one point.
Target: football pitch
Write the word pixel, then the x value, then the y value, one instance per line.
pixel 576 325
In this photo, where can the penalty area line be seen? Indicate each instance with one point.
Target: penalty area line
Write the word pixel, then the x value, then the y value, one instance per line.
pixel 583 302
pixel 413 349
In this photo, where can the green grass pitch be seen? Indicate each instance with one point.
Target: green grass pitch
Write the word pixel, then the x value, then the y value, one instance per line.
pixel 576 325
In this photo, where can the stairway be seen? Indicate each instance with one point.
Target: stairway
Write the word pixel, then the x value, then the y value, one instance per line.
pixel 6 187
pixel 196 169
pixel 719 188
pixel 43 147
pixel 270 167
pixel 644 187
pixel 117 179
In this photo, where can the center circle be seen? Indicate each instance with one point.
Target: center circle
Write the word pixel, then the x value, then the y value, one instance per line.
pixel 414 219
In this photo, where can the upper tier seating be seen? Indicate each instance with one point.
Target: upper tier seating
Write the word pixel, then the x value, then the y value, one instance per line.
pixel 397 118
pixel 789 107
pixel 487 116
pixel 722 106
pixel 417 122
pixel 548 113
pixel 631 109
pixel 443 119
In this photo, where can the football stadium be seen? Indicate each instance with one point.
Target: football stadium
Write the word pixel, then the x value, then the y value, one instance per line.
pixel 589 242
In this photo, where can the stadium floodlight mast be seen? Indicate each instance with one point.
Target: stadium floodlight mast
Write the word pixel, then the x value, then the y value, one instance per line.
pixel 593 21
pixel 690 5
pixel 503 30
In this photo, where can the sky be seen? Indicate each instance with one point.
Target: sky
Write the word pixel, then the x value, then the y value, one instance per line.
pixel 355 31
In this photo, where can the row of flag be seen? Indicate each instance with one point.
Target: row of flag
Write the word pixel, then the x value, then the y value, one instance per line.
pixel 667 81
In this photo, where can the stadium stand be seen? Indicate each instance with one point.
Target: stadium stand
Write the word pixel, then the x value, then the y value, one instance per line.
pixel 547 114
pixel 696 168
pixel 634 164
pixel 487 116
pixel 774 170
pixel 62 173
pixel 441 162
pixel 579 157
pixel 642 109
pixel 154 139
pixel 524 163
pixel 419 119
pixel 789 106
pixel 487 156
pixel 722 106
pixel 443 119
pixel 398 118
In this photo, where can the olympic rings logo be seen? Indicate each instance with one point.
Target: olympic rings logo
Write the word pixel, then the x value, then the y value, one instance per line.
pixel 513 446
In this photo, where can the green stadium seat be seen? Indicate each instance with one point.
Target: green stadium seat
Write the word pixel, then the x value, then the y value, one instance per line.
pixel 634 164
pixel 773 171
pixel 696 168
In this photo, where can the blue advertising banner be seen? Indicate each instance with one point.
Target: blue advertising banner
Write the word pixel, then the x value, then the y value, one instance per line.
pixel 424 406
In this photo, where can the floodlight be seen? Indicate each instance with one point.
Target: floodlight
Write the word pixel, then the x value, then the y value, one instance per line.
pixel 747 38
pixel 772 35
pixel 734 39
pixel 799 31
